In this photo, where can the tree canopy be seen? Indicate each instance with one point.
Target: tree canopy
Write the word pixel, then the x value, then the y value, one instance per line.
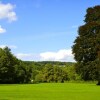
pixel 86 46
pixel 12 70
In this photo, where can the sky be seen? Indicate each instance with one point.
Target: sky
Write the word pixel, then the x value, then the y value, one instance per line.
pixel 42 30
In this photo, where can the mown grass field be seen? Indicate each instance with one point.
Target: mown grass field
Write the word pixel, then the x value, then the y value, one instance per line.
pixel 50 91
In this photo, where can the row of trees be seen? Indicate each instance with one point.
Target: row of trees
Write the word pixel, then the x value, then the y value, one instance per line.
pixel 86 50
pixel 13 70
pixel 54 73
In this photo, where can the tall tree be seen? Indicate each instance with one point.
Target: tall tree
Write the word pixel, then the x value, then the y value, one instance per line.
pixel 13 70
pixel 7 62
pixel 87 45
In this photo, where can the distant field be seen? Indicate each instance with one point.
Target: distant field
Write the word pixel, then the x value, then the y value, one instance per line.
pixel 50 91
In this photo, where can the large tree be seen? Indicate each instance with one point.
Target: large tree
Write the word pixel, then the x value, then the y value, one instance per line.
pixel 86 46
pixel 13 70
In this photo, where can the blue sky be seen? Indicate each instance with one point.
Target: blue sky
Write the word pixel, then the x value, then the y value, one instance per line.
pixel 42 29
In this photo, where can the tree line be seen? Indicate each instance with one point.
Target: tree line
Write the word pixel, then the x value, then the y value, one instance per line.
pixel 13 70
pixel 86 50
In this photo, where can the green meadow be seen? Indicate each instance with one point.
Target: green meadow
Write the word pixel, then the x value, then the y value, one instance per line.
pixel 50 91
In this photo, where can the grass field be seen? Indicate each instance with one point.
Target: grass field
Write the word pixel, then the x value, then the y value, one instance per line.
pixel 50 91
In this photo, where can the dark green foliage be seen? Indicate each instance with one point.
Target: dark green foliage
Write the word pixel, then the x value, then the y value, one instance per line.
pixel 87 45
pixel 7 63
pixel 50 71
pixel 12 70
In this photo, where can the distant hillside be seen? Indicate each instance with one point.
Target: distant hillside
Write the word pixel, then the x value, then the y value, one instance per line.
pixel 41 64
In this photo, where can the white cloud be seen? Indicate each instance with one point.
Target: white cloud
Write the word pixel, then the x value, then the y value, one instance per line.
pixel 10 46
pixel 61 55
pixel 24 56
pixel 7 12
pixel 2 30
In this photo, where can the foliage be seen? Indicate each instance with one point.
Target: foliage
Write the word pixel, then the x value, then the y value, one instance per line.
pixel 71 73
pixel 51 73
pixel 12 70
pixel 87 45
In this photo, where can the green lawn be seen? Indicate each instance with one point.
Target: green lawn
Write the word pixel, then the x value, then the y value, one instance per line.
pixel 50 91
